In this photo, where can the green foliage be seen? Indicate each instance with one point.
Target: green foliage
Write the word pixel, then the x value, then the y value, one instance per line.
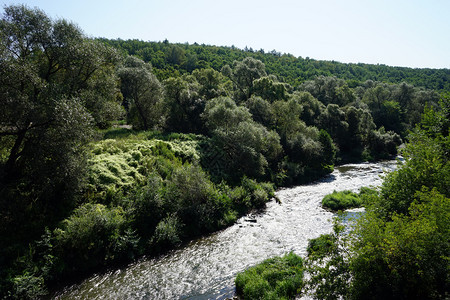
pixel 212 83
pixel 223 113
pixel 406 257
pixel 30 273
pixel 399 248
pixel 183 104
pixel 328 266
pixel 288 68
pixel 257 194
pixel 312 107
pixel 333 120
pixel 167 233
pixel 383 144
pixel 275 278
pixel 243 75
pixel 248 147
pixel 124 163
pixel 192 195
pixel 142 93
pixel 261 111
pixel 426 164
pixel 55 86
pixel 321 246
pixel 341 200
pixel 144 192
pixel 328 148
pixel 91 237
pixel 270 89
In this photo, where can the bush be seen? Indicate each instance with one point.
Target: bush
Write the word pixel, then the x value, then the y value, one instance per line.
pixel 91 236
pixel 383 144
pixel 145 206
pixel 320 246
pixel 256 193
pixel 28 286
pixel 193 197
pixel 341 200
pixel 275 278
pixel 167 234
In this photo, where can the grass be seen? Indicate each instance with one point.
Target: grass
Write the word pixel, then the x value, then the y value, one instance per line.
pixel 124 159
pixel 274 278
pixel 341 200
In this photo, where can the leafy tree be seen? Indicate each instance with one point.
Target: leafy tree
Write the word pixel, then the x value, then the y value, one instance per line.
pixel 261 110
pixel 287 118
pixel 243 74
pixel 288 68
pixel 383 144
pixel 328 265
pixel 360 126
pixel 46 68
pixel 142 92
pixel 176 55
pixel 328 148
pixel 329 90
pixel 211 83
pixel 183 104
pixel 333 120
pixel 344 95
pixel 426 166
pixel 270 89
pixel 52 95
pixel 92 236
pixel 248 146
pixel 312 108
pixel 399 248
pixel 223 113
pixel 406 257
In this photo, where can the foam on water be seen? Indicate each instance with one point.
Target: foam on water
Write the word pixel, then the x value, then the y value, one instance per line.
pixel 206 268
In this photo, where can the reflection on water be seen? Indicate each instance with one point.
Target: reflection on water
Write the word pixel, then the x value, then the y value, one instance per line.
pixel 205 268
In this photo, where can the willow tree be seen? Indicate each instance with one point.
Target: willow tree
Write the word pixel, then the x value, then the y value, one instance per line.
pixel 49 97
pixel 142 92
pixel 243 74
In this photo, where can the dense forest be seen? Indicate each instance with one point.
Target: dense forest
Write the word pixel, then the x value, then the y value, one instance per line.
pixel 111 149
pixel 170 59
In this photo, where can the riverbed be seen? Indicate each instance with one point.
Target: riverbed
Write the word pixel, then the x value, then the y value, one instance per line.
pixel 205 268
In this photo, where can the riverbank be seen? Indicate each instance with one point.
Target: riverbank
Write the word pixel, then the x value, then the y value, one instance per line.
pixel 205 268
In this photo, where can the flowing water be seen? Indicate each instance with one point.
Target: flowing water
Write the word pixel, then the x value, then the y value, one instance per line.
pixel 206 268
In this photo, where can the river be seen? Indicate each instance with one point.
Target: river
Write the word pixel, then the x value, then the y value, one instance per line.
pixel 206 268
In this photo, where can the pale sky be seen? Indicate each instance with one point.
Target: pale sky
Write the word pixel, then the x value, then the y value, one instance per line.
pixel 410 33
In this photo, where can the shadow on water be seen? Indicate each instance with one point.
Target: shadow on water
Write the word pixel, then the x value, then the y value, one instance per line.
pixel 329 178
pixel 345 168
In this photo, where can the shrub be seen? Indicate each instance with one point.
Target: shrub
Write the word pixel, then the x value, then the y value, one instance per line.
pixel 256 193
pixel 320 246
pixel 167 234
pixel 274 278
pixel 383 144
pixel 191 194
pixel 341 200
pixel 91 236
pixel 145 206
pixel 28 286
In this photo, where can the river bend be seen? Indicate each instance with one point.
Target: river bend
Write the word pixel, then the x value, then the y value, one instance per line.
pixel 206 268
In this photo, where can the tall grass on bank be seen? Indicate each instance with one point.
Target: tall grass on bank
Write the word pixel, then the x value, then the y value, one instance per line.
pixel 274 278
pixel 341 200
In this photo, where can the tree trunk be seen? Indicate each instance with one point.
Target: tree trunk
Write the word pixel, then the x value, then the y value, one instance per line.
pixel 10 166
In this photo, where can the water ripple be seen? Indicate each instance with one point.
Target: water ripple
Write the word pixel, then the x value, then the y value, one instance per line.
pixel 205 268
